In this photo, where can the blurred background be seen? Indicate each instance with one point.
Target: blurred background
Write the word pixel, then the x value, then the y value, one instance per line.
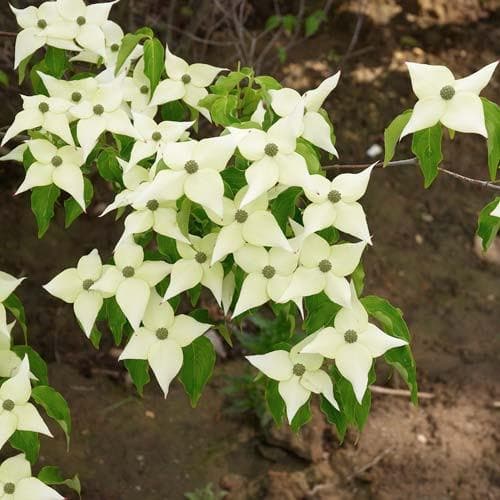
pixel 424 259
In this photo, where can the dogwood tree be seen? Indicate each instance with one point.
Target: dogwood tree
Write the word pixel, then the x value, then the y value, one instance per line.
pixel 221 180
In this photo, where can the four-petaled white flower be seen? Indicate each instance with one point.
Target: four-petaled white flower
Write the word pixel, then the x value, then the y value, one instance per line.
pixel 314 128
pixel 131 280
pixel 323 268
pixel 49 113
pixel 353 343
pixel 194 267
pixel 55 166
pixel 162 338
pixel 35 23
pixel 73 286
pixel 335 203
pixel 441 98
pixel 186 82
pixel 298 375
pixel 136 91
pixel 273 156
pixel 15 411
pixel 8 284
pixel 253 224
pixel 269 275
pixel 17 483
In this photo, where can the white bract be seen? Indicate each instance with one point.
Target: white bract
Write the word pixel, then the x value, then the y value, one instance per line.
pixel 269 275
pixel 194 267
pixel 335 203
pixel 298 375
pixel 254 224
pixel 136 91
pixel 55 166
pixel 314 127
pixel 36 23
pixel 73 286
pixel 49 113
pixel 131 280
pixel 16 413
pixel 9 361
pixel 353 343
pixel 8 284
pixel 441 98
pixel 17 483
pixel 186 82
pixel 323 268
pixel 162 338
pixel 496 211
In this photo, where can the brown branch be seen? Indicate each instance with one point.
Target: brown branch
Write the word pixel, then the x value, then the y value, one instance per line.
pixel 399 392
pixel 8 34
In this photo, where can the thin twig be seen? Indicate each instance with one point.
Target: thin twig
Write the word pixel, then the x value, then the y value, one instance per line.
pixel 370 464
pixel 399 392
pixel 9 34
pixel 197 38
pixel 355 35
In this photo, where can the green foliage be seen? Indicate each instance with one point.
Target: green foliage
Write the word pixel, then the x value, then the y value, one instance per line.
pixel 206 493
pixel 392 134
pixel 38 367
pixel 275 402
pixel 314 21
pixel 492 120
pixel 488 225
pixel 426 146
pixel 302 417
pixel 307 150
pixel 15 306
pixel 28 442
pixel 154 62
pixel 115 318
pixel 52 475
pixel 334 417
pixel 138 370
pixel 108 167
pixel 56 62
pixel 320 312
pixel 129 43
pixel 284 205
pixel 72 209
pixel 43 199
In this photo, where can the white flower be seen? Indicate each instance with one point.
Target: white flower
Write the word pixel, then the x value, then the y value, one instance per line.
pixel 8 284
pixel 314 128
pixel 186 82
pixel 298 375
pixel 9 361
pixel 41 111
pixel 194 267
pixel 15 411
pixel 496 211
pixel 269 275
pixel 334 203
pixel 102 112
pixel 323 268
pixel 131 280
pixel 136 91
pixel 273 156
pixel 353 343
pixel 86 20
pixel 194 171
pixel 441 98
pixel 153 137
pixel 73 286
pixel 17 483
pixel 254 224
pixel 55 166
pixel 35 33
pixel 162 338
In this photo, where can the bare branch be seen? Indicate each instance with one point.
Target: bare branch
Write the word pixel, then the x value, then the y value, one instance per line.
pixel 8 34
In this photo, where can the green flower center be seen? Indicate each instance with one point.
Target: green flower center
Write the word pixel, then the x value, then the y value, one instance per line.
pixel 152 205
pixel 42 24
pixel 115 47
pixel 298 369
pixel 43 107
pixel 98 109
pixel 271 149
pixel 447 92
pixel 156 136
pixel 191 167
pixel 8 405
pixel 325 266
pixel 200 257
pixel 87 284
pixel 56 161
pixel 128 272
pixel 161 333
pixel 76 97
pixel 9 488
pixel 350 336
pixel 144 89
pixel 80 20
pixel 334 196
pixel 241 216
pixel 186 78
pixel 268 272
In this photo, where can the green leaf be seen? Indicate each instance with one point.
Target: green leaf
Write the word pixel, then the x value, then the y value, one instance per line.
pixel 72 209
pixel 4 79
pixel 284 206
pixel 488 225
pixel 175 111
pixel 139 372
pixel 302 416
pixel 167 247
pixel 56 61
pixel 15 306
pixel 267 82
pixel 95 337
pixel 392 322
pixel 426 146
pixel 313 22
pixel 51 475
pixel 28 442
pixel 392 134
pixel 43 200
pixel 184 215
pixel 108 166
pixel 55 406
pixel 275 402
pixel 282 54
pixel 224 110
pixel 199 362
pixel 272 22
pixel 234 178
pixel 305 149
pixel 334 417
pixel 225 83
pixel 38 367
pixel 23 66
pixel 289 22
pixel 129 43
pixel 321 312
pixel 492 120
pixel 154 62
pixel 358 277
pixel 116 319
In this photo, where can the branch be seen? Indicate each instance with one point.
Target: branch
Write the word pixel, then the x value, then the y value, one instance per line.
pixel 413 161
pixel 8 34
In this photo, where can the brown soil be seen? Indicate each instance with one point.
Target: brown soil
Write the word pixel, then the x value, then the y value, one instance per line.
pixel 422 259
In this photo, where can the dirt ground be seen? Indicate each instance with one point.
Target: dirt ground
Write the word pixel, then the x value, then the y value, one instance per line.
pixel 423 260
